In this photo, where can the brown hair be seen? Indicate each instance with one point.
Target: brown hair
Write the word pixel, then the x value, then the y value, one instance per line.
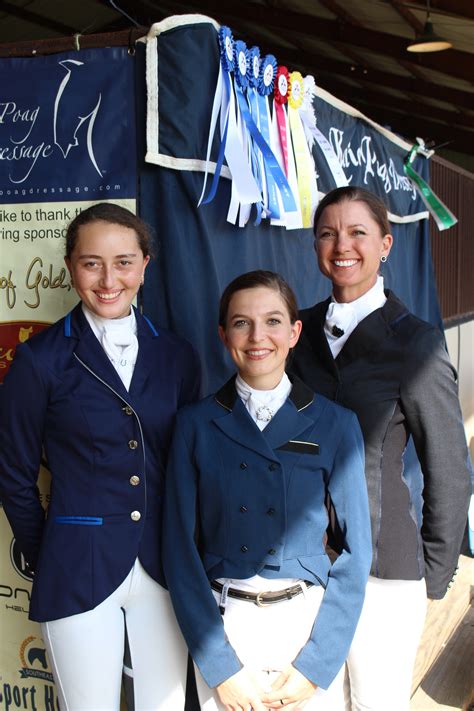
pixel 375 205
pixel 115 215
pixel 253 280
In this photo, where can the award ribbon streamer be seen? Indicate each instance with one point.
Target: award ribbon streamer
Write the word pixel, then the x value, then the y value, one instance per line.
pixel 270 161
pixel 231 146
pixel 294 220
pixel 238 206
pixel 443 217
pixel 221 104
pixel 270 199
pixel 280 98
pixel 335 167
pixel 313 133
pixel 265 85
pixel 304 163
pixel 258 167
pixel 236 159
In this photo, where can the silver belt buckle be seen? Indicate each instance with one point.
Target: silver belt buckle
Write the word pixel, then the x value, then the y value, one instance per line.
pixel 259 602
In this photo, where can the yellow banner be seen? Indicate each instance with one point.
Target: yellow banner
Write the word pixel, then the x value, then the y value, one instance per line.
pixel 35 291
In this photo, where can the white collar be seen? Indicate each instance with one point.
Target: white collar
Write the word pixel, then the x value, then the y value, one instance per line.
pixel 262 405
pixel 127 324
pixel 373 299
pixel 347 316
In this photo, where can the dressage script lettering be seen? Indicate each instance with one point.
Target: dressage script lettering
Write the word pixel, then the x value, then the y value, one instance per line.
pixel 20 149
pixel 364 156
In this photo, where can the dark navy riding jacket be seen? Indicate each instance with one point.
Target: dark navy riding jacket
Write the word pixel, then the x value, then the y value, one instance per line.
pixel 106 448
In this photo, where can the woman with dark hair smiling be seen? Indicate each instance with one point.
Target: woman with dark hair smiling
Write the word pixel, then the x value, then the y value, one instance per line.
pixel 266 618
pixel 98 392
pixel 365 350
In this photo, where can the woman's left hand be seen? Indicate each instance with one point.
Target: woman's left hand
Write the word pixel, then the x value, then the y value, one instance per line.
pixel 291 690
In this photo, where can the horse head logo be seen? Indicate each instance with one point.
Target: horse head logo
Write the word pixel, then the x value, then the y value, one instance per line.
pixel 70 112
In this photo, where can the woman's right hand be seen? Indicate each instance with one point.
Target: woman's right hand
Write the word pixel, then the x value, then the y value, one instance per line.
pixel 241 692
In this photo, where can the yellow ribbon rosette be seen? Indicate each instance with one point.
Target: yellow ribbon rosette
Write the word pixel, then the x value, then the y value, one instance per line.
pixel 303 159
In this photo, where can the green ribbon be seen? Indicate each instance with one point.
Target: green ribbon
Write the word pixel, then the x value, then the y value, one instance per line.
pixel 443 217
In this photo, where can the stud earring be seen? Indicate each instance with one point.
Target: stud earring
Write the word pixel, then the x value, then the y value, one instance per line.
pixel 383 258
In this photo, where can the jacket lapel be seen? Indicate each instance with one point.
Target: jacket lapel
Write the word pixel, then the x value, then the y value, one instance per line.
pixel 372 330
pixel 289 422
pixel 145 360
pixel 90 352
pixel 313 333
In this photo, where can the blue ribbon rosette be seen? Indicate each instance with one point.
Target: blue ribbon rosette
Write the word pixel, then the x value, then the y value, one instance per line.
pixel 243 183
pixel 242 106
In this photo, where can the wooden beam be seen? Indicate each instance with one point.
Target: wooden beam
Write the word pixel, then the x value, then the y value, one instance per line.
pixel 315 64
pixel 462 8
pixel 408 16
pixel 452 62
pixel 65 44
pixel 36 19
pixel 412 107
pixel 409 127
pixel 340 12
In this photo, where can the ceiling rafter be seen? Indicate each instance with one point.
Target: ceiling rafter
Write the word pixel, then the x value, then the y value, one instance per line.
pixel 35 18
pixel 402 124
pixel 454 62
pixel 412 107
pixel 413 69
pixel 340 12
pixel 314 63
pixel 408 16
pixel 463 8
pixel 356 56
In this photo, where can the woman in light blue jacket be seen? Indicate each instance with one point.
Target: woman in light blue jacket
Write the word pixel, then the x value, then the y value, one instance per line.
pixel 254 471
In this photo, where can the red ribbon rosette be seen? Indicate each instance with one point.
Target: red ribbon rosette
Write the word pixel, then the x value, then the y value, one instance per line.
pixel 280 94
pixel 281 85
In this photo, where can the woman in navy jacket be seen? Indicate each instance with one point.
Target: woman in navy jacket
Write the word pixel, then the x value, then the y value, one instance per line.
pixel 97 392
pixel 365 350
pixel 251 470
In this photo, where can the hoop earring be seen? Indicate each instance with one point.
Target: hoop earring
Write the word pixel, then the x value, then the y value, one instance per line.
pixel 383 258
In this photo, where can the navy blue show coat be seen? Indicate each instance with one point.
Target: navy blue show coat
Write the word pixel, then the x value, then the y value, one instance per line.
pixel 256 501
pixel 106 449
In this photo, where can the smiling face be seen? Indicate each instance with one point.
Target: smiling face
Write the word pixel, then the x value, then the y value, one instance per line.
pixel 107 267
pixel 349 244
pixel 258 335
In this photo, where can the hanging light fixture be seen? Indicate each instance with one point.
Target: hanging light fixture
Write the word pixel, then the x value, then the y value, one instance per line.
pixel 428 41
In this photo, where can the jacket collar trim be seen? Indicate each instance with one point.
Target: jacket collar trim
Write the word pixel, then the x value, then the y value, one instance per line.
pixel 77 313
pixel 300 395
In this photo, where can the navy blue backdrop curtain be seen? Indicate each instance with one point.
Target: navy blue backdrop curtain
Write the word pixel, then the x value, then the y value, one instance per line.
pixel 200 252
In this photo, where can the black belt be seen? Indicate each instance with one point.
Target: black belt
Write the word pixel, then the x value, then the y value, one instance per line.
pixel 262 599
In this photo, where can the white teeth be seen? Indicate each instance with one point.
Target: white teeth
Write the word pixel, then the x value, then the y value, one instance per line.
pixel 257 353
pixel 108 297
pixel 345 262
